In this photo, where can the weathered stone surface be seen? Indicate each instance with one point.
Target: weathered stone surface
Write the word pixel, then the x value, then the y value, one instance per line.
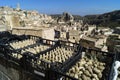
pixel 66 17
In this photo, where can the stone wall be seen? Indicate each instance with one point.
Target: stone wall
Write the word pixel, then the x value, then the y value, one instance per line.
pixel 12 21
pixel 27 32
pixel 87 44
pixel 44 33
pixel 48 33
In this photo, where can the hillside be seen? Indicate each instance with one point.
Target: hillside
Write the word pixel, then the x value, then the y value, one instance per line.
pixel 111 19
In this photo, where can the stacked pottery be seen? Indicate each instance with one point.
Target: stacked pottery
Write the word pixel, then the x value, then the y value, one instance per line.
pixel 87 69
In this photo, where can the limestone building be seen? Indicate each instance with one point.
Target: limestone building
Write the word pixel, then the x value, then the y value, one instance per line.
pixel 74 35
pixel 47 33
pixel 12 21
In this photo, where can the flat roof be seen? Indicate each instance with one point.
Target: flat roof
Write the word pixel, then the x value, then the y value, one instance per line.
pixel 32 28
pixel 89 39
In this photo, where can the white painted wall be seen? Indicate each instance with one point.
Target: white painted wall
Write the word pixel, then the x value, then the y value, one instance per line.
pixel 48 34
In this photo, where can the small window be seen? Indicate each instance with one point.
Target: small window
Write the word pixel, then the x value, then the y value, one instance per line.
pixel 73 37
